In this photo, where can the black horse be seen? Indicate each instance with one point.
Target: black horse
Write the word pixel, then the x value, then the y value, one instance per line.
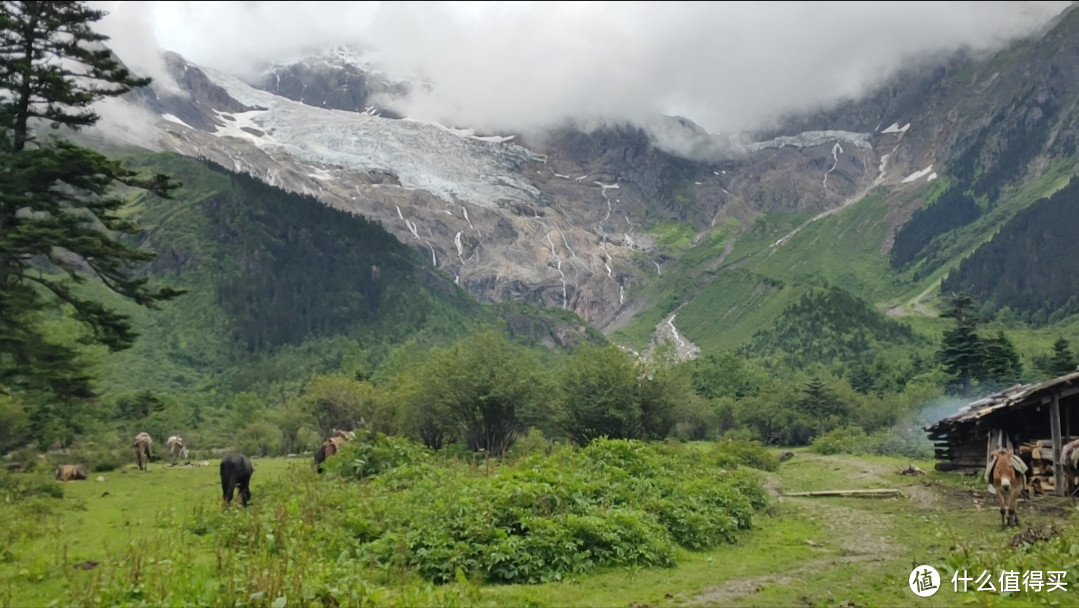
pixel 236 470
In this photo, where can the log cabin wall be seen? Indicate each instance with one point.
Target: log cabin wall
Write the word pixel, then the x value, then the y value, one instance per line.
pixel 1024 413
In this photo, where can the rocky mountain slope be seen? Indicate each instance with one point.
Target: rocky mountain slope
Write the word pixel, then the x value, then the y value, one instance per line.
pixel 582 221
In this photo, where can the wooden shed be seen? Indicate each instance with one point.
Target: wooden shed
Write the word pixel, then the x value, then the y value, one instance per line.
pixel 1036 420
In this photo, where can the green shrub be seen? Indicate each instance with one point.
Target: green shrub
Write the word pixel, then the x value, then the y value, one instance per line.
pixel 842 440
pixel 892 442
pixel 613 503
pixel 101 459
pixel 367 456
pixel 730 453
pixel 15 487
pixel 1045 549
pixel 25 460
pixel 532 442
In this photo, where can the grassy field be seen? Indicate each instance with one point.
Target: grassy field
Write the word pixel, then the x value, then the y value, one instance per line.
pixel 167 527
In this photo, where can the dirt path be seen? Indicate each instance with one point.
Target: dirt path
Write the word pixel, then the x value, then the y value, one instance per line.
pixel 859 534
pixel 866 543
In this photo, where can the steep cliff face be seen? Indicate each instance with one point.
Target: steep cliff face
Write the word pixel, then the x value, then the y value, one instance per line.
pixel 335 80
pixel 563 222
pixel 567 220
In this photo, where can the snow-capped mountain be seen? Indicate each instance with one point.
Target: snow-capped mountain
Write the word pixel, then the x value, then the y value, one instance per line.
pixel 569 220
pixel 564 222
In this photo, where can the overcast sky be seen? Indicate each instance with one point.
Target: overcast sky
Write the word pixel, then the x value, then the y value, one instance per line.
pixel 510 66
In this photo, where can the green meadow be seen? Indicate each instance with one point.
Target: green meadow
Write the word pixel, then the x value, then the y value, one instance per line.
pixel 621 524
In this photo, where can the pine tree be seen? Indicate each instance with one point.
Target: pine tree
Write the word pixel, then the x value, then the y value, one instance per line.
pixel 1062 361
pixel 961 350
pixel 1001 365
pixel 822 404
pixel 60 220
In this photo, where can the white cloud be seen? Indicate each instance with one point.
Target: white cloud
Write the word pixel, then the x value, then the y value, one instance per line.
pixel 728 66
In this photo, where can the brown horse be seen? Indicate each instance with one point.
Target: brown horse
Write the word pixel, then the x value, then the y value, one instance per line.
pixel 331 446
pixel 143 443
pixel 1006 478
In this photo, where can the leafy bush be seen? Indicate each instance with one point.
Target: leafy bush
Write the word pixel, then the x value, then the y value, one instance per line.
pixel 843 440
pixel 1047 549
pixel 15 487
pixel 854 440
pixel 532 442
pixel 25 460
pixel 613 503
pixel 366 456
pixel 729 453
pixel 100 459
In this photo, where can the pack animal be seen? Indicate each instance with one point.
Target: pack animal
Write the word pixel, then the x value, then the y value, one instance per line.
pixel 236 471
pixel 1008 482
pixel 176 447
pixel 331 446
pixel 143 447
pixel 70 472
pixel 1070 456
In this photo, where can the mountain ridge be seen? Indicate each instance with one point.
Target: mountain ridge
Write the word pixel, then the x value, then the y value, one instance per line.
pixel 598 222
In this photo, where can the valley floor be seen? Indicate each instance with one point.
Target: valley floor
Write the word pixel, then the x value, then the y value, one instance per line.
pixel 809 551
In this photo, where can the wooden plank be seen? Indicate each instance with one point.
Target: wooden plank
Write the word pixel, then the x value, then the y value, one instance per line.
pixel 1058 445
pixel 1067 426
pixel 867 493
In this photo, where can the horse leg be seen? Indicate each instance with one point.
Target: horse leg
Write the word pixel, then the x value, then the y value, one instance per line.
pixel 1003 506
pixel 1015 506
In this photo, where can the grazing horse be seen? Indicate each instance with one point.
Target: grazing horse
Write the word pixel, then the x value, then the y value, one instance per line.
pixel 143 443
pixel 236 471
pixel 1008 477
pixel 176 447
pixel 331 446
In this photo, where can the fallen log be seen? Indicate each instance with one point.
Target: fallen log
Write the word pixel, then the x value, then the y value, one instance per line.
pixel 867 493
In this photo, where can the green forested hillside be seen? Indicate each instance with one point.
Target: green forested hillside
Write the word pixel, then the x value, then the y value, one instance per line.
pixel 759 301
pixel 830 325
pixel 1032 255
pixel 279 286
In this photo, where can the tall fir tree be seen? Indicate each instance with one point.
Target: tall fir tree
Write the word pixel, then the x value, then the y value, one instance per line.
pixel 1062 361
pixel 961 349
pixel 60 209
pixel 1001 364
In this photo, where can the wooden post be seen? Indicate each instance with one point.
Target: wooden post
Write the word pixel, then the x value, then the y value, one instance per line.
pixel 1058 447
pixel 1067 425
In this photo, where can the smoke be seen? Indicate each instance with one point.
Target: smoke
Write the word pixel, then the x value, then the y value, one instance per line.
pixel 525 66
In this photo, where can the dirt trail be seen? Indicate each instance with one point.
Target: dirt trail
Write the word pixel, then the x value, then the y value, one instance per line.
pixel 860 535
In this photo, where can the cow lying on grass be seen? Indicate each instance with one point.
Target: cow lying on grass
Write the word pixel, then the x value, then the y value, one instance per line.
pixel 70 472
pixel 236 471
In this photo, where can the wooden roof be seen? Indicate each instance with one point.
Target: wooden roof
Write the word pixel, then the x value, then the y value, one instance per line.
pixel 1016 397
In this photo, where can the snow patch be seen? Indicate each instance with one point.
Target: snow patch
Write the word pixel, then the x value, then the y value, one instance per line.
pixel 895 128
pixel 453 165
pixel 171 118
pixel 917 174
pixel 811 139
